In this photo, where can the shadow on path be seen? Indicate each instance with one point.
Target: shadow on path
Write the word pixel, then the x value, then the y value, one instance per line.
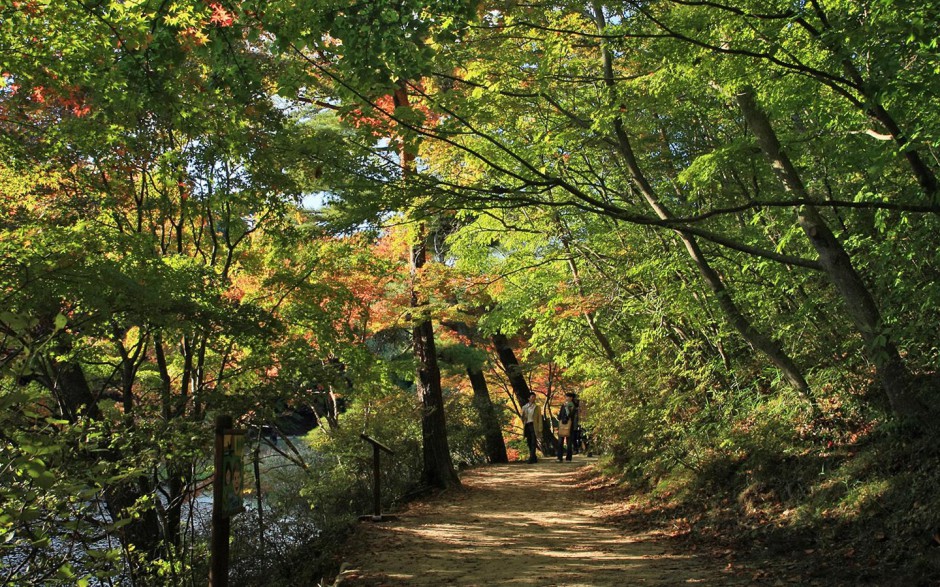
pixel 517 524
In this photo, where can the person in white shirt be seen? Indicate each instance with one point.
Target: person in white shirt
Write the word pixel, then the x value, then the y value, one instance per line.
pixel 532 425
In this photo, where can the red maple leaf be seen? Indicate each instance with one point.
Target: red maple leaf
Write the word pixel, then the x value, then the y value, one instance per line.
pixel 220 15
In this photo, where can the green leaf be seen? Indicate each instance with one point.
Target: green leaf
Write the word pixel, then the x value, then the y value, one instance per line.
pixel 60 321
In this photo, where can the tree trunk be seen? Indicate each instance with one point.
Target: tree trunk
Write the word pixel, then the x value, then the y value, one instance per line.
pixel 438 468
pixel 892 372
pixel 259 497
pixel 143 530
pixel 494 443
pixel 520 387
pixel 492 433
pixel 174 510
pixel 513 370
pixel 332 397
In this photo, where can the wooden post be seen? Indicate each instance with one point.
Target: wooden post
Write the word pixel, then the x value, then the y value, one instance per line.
pixel 376 482
pixel 377 447
pixel 221 523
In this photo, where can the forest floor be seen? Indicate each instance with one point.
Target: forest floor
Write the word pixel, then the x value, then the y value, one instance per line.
pixel 544 524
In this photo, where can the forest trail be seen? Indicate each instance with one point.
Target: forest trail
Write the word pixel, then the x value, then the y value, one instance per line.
pixel 505 528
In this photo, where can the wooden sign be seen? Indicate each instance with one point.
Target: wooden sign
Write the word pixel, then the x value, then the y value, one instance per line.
pixel 233 450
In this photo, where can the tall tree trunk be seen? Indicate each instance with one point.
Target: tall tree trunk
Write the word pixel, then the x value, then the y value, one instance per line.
pixel 892 372
pixel 259 497
pixel 763 343
pixel 494 443
pixel 492 433
pixel 173 515
pixel 438 466
pixel 332 396
pixel 520 388
pixel 438 469
pixel 507 357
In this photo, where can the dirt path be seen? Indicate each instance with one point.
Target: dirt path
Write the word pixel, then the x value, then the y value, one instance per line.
pixel 505 528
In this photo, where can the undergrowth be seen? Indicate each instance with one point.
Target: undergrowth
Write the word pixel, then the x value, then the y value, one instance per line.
pixel 311 511
pixel 854 507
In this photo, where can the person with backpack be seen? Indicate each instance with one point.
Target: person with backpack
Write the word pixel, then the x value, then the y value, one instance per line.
pixel 567 424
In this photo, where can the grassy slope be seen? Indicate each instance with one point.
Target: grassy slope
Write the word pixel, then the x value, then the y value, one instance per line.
pixel 866 512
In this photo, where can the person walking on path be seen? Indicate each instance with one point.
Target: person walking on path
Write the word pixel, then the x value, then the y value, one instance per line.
pixel 531 425
pixel 567 425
